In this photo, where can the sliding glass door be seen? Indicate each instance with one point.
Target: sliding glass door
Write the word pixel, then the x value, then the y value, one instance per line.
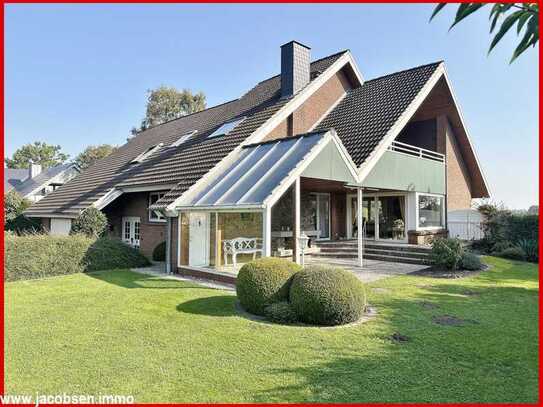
pixel 320 214
pixel 392 217
pixel 384 217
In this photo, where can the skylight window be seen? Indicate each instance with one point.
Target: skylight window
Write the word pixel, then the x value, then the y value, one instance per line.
pixel 147 153
pixel 226 128
pixel 183 138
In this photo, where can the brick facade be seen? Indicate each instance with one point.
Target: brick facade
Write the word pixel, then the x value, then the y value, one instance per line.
pixel 308 114
pixel 459 187
pixel 136 204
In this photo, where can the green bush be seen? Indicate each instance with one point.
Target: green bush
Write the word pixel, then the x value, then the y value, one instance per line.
pixel 531 248
pixel 500 246
pixel 513 253
pixel 471 262
pixel 327 296
pixel 108 254
pixel 159 252
pixel 91 222
pixel 280 312
pixel 14 206
pixel 447 253
pixel 263 282
pixel 38 256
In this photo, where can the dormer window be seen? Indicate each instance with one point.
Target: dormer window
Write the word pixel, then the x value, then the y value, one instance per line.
pixel 226 128
pixel 146 154
pixel 183 138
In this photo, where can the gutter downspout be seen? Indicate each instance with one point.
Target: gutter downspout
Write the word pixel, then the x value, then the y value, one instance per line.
pixel 168 245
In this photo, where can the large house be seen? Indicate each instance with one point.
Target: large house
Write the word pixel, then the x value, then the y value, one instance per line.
pixel 317 150
pixel 34 183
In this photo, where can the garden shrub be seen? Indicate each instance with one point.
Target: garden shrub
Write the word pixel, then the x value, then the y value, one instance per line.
pixel 159 252
pixel 14 206
pixel 38 256
pixel 91 222
pixel 531 248
pixel 263 282
pixel 327 296
pixel 470 261
pixel 107 254
pixel 280 312
pixel 501 246
pixel 447 253
pixel 513 253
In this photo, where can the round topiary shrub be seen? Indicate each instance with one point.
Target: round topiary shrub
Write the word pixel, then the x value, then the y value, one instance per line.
pixel 327 296
pixel 91 222
pixel 263 282
pixel 280 312
pixel 159 252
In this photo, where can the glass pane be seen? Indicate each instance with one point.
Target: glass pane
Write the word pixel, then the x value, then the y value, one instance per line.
pixel 136 230
pixel 368 214
pixel 430 211
pixel 324 216
pixel 127 230
pixel 392 217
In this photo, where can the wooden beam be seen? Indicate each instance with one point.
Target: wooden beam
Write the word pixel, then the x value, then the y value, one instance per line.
pixel 296 221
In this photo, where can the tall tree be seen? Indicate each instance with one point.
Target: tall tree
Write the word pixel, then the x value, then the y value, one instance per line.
pixel 39 153
pixel 92 154
pixel 167 103
pixel 524 15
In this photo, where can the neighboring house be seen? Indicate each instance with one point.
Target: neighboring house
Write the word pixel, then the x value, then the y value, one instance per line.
pixel 35 183
pixel 295 154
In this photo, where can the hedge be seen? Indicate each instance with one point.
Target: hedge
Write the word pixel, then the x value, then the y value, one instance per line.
pixel 38 256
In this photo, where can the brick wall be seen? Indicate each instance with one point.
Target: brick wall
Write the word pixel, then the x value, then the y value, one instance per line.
pixel 307 115
pixel 459 193
pixel 136 204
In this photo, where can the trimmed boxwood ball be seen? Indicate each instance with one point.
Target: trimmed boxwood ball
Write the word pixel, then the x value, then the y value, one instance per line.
pixel 263 282
pixel 280 312
pixel 323 295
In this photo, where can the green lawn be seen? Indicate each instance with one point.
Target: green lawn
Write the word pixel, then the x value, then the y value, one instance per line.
pixel 162 340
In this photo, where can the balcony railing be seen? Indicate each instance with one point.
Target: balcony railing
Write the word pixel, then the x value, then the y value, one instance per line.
pixel 408 149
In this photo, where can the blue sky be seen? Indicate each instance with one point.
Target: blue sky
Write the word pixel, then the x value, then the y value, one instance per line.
pixel 77 74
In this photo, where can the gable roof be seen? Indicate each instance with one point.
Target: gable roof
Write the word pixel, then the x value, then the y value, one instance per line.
pixel 367 113
pixel 182 165
pixel 14 177
pixel 42 179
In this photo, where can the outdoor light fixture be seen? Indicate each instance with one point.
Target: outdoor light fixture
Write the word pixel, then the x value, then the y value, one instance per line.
pixel 303 240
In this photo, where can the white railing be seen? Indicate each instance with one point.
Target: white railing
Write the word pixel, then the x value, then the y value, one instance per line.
pixel 408 149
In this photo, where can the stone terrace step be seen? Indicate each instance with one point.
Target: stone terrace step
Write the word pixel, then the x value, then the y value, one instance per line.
pixel 392 259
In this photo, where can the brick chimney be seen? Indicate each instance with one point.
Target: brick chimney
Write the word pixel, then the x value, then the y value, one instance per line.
pixel 295 60
pixel 33 170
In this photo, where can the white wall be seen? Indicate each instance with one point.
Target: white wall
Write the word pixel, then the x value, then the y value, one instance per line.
pixel 60 226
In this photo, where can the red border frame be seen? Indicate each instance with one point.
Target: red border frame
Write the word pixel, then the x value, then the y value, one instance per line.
pixel 540 356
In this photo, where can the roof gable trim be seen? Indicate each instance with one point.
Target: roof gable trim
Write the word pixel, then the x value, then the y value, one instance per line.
pixel 269 125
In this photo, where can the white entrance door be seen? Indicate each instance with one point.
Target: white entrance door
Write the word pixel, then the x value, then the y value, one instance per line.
pixel 199 239
pixel 131 230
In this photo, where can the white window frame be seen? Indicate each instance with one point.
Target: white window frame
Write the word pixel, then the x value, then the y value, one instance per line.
pixel 183 138
pixel 218 133
pixel 444 211
pixel 160 218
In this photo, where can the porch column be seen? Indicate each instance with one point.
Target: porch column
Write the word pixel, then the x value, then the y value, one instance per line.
pixel 296 224
pixel 360 227
pixel 266 229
